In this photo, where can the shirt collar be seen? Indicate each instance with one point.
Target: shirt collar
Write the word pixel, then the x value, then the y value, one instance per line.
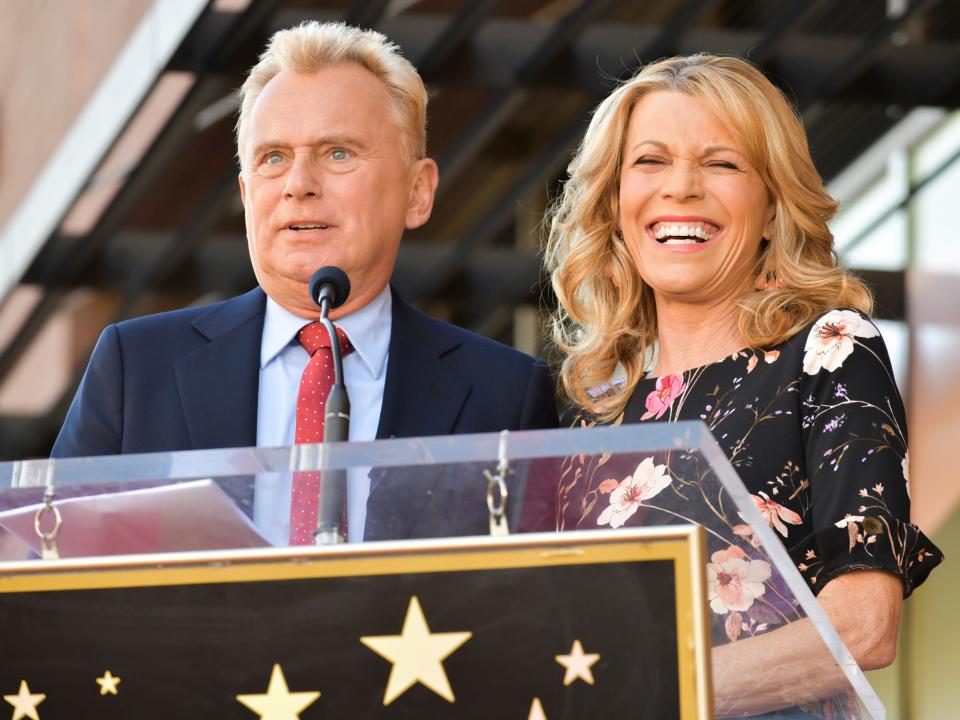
pixel 368 329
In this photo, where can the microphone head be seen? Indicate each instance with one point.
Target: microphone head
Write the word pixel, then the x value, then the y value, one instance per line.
pixel 335 278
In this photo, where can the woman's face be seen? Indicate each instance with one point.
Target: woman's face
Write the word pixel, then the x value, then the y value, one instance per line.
pixel 693 210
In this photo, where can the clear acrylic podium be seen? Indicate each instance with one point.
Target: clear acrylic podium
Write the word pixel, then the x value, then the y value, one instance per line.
pixel 546 574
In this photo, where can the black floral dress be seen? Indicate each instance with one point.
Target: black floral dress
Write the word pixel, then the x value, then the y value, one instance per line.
pixel 816 430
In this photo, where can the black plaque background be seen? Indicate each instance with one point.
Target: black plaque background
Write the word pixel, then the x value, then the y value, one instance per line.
pixel 186 651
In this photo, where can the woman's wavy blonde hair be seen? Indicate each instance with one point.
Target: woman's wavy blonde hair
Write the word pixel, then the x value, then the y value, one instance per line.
pixel 606 314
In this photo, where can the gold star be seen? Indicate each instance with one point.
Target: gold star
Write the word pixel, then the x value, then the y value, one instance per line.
pixel 578 664
pixel 24 703
pixel 108 683
pixel 417 655
pixel 536 711
pixel 278 703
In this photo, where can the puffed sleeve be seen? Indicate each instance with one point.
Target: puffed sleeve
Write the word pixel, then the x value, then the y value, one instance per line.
pixel 855 436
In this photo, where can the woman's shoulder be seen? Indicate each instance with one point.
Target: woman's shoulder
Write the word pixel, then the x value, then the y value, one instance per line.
pixel 840 321
pixel 826 340
pixel 834 322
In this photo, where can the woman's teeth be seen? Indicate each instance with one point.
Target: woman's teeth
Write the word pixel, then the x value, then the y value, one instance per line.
pixel 683 234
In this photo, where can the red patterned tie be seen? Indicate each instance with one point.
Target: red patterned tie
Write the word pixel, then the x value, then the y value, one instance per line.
pixel 315 384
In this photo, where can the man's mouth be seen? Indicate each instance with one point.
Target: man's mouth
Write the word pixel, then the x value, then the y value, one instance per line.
pixel 684 233
pixel 301 227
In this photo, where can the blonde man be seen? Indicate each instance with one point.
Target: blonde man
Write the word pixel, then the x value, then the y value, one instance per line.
pixel 331 140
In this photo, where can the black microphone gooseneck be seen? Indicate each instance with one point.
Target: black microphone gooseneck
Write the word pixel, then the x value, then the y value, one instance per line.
pixel 329 288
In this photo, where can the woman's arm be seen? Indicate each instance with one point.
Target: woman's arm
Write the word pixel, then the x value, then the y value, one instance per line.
pixel 865 608
pixel 791 665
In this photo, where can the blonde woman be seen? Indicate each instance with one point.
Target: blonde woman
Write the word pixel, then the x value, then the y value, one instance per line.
pixel 692 262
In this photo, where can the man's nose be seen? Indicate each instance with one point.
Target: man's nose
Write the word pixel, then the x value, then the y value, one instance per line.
pixel 303 179
pixel 682 181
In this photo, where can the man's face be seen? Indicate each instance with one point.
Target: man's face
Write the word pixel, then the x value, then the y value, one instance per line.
pixel 324 181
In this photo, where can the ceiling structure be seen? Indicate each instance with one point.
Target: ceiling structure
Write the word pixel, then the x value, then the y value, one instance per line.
pixel 511 84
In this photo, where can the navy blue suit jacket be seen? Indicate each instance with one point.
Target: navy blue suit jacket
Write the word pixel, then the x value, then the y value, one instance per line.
pixel 189 379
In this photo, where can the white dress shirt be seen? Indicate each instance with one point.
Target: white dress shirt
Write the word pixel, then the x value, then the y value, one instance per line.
pixel 282 361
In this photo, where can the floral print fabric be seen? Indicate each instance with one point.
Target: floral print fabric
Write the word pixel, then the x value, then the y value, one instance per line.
pixel 816 430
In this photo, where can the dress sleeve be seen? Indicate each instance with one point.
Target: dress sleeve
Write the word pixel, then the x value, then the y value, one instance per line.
pixel 855 438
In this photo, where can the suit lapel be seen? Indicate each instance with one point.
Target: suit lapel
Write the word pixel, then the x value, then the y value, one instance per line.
pixel 422 396
pixel 219 382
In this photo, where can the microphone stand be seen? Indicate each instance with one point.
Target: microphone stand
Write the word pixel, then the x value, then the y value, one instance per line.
pixel 336 428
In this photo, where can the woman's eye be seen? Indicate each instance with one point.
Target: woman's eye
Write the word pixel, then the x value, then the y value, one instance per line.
pixel 724 164
pixel 339 154
pixel 646 160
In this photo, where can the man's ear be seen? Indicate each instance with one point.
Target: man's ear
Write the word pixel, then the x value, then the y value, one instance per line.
pixel 243 189
pixel 425 175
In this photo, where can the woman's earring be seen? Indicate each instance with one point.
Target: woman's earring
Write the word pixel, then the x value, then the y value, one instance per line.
pixel 768 281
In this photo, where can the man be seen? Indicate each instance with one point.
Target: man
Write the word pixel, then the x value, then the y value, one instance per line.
pixel 331 140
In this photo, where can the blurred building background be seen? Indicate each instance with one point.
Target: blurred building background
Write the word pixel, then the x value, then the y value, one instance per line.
pixel 118 192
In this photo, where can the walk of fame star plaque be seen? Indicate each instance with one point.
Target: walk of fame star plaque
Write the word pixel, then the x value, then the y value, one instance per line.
pixel 571 625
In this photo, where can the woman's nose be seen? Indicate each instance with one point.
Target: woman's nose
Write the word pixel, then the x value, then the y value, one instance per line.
pixel 682 182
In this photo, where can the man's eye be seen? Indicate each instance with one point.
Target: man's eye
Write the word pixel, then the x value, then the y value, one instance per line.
pixel 339 154
pixel 273 158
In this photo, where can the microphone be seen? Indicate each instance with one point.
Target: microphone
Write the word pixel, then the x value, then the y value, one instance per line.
pixel 329 288
pixel 331 282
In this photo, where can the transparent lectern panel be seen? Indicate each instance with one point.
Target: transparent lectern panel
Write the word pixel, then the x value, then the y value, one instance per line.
pixel 759 605
pixel 578 480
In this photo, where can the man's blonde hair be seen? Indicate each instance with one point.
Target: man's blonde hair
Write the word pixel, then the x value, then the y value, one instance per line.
pixel 607 315
pixel 312 46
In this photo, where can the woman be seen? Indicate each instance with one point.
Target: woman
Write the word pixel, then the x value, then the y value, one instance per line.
pixel 694 265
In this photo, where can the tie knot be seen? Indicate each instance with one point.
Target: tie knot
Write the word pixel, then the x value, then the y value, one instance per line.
pixel 314 336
